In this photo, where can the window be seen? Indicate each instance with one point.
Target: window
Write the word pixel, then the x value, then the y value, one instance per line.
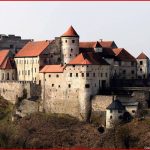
pixel 59 86
pixel 111 111
pixel 27 61
pixel 24 61
pixel 71 50
pixel 133 111
pixel 119 111
pixel 120 117
pixel 57 76
pixel 70 74
pixel 52 85
pixel 69 86
pixel 70 55
pixel 110 117
pixel 76 74
pixel 65 41
pixel 93 74
pixel 35 69
pixel 82 74
pixel 51 56
pixel 106 74
pixel 141 69
pixel 132 71
pixel 132 63
pixel 73 41
pixel 124 71
pixel 101 74
pixel 11 46
pixel 28 72
pixel 141 62
pixel 87 86
pixel 49 76
pixel 87 74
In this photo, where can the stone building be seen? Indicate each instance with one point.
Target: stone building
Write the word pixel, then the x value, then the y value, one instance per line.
pixel 120 110
pixel 12 42
pixel 142 66
pixel 69 88
pixel 7 66
pixel 30 59
pixel 127 65
pixel 114 113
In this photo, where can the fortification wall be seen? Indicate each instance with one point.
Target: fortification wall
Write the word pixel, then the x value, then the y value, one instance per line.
pixel 62 101
pixel 101 102
pixel 10 90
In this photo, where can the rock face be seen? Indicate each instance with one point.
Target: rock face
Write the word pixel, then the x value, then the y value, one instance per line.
pixel 27 107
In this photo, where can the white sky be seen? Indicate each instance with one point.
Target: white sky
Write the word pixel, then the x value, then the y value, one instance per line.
pixel 127 23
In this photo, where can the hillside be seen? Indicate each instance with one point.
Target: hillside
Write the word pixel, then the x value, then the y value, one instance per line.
pixel 52 130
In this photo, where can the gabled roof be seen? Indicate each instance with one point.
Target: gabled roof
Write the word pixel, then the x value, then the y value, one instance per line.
pixel 123 55
pixel 3 55
pixel 52 69
pixel 32 49
pixel 116 105
pixel 88 59
pixel 70 33
pixel 142 56
pixel 8 64
pixel 108 44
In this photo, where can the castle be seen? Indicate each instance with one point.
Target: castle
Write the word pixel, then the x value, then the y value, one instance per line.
pixel 68 71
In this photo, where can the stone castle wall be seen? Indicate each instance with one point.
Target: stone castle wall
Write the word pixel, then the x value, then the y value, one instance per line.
pixel 10 90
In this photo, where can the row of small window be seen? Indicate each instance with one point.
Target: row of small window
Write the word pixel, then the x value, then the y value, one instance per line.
pixel 7 76
pixel 69 85
pixel 124 71
pixel 88 74
pixel 26 61
pixel 66 41
pixel 26 72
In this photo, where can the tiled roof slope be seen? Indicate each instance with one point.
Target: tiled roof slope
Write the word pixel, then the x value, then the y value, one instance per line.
pixel 88 59
pixel 123 55
pixel 70 33
pixel 32 49
pixel 142 56
pixel 108 44
pixel 3 55
pixel 52 69
pixel 89 44
pixel 116 105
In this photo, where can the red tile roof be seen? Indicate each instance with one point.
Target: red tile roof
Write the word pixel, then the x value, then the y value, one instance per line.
pixel 89 44
pixel 3 55
pixel 32 49
pixel 142 56
pixel 88 59
pixel 70 33
pixel 8 64
pixel 52 69
pixel 108 44
pixel 123 55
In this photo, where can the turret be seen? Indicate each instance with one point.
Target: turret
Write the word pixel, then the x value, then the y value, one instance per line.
pixel 69 45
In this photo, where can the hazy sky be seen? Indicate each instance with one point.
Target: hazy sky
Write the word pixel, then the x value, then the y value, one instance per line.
pixel 127 23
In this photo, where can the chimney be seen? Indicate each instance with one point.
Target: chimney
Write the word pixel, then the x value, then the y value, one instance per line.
pixel 101 40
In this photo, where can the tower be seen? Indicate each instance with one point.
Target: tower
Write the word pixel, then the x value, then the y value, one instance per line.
pixel 69 45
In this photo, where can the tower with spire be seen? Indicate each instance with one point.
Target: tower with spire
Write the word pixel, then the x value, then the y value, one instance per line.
pixel 69 45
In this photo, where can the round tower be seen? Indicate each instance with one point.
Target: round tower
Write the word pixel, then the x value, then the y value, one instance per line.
pixel 69 45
